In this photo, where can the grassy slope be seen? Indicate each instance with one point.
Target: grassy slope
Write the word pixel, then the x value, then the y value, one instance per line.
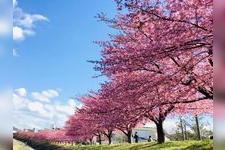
pixel 176 145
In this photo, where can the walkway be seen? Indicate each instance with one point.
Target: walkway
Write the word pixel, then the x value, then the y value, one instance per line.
pixel 17 145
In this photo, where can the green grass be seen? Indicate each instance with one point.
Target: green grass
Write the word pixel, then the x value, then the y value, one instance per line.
pixel 173 145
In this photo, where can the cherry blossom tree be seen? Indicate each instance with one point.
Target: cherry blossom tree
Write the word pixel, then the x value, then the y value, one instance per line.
pixel 171 40
pixel 158 64
pixel 45 135
pixel 161 57
pixel 53 136
pixel 100 116
pixel 133 92
pixel 79 129
pixel 99 109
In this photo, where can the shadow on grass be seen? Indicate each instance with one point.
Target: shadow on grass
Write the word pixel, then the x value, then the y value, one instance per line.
pixel 145 146
pixel 179 145
pixel 98 147
pixel 199 147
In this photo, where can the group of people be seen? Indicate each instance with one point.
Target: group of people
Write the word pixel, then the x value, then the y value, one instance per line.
pixel 136 137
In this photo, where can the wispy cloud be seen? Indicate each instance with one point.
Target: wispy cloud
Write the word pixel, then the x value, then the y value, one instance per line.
pixel 24 23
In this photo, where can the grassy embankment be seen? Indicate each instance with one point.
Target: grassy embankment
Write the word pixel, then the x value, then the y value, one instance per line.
pixel 173 145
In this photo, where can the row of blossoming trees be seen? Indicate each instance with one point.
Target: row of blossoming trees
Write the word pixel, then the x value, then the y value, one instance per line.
pixel 159 64
pixel 56 136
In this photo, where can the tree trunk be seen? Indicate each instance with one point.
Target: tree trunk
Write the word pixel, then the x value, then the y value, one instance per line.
pixel 182 128
pixel 185 131
pixel 100 140
pixel 90 141
pixel 110 139
pixel 109 136
pixel 198 129
pixel 160 131
pixel 129 140
pixel 128 133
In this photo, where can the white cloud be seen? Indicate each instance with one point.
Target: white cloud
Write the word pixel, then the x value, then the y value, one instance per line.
pixel 37 107
pixel 21 92
pixel 19 98
pixel 24 23
pixel 45 96
pixel 32 113
pixel 15 53
pixel 29 20
pixel 14 3
pixel 18 33
pixel 72 102
pixel 64 109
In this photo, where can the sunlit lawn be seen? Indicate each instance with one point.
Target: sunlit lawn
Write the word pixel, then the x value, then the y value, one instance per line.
pixel 173 145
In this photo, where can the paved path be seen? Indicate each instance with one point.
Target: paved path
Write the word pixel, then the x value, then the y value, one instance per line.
pixel 17 145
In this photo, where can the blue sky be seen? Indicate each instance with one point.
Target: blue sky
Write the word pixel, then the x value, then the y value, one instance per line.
pixel 56 56
pixel 52 42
